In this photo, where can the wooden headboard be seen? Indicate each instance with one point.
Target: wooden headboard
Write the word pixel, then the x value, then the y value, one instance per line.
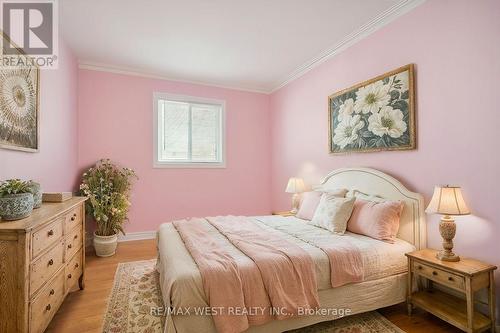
pixel 373 182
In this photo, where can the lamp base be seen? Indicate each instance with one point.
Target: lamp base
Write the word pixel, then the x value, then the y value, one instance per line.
pixel 447 229
pixel 444 256
pixel 295 203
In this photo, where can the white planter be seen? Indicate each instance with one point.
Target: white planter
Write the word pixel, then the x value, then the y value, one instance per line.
pixel 105 246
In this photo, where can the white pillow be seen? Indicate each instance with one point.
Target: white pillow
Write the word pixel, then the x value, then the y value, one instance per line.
pixel 365 196
pixel 339 192
pixel 333 213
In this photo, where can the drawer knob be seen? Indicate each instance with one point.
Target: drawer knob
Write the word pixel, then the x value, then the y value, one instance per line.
pixel 48 307
pixel 76 236
pixel 70 246
pixel 69 276
pixel 76 265
pixel 434 273
pixel 50 233
pixel 51 262
pixel 419 267
pixel 74 214
pixel 51 292
pixel 72 218
pixel 450 278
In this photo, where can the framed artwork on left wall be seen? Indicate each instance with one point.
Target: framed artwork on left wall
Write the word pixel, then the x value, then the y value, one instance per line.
pixel 19 106
pixel 375 115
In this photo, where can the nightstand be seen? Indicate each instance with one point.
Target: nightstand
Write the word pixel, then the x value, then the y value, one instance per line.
pixel 286 213
pixel 466 277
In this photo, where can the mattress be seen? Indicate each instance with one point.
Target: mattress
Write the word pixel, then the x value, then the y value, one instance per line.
pixel 181 282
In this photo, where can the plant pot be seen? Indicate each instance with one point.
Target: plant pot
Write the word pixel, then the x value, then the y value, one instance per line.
pixel 105 246
pixel 37 194
pixel 16 206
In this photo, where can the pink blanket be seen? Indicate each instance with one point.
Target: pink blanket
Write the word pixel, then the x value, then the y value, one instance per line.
pixel 346 263
pixel 277 266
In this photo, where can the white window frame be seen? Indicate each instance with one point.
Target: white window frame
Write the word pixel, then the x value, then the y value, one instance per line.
pixel 156 130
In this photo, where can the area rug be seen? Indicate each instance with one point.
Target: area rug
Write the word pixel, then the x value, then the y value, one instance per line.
pixel 368 322
pixel 136 290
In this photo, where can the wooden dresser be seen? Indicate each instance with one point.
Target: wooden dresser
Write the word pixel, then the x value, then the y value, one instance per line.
pixel 41 260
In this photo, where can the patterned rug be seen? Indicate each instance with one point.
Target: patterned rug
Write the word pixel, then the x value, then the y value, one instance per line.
pixel 136 290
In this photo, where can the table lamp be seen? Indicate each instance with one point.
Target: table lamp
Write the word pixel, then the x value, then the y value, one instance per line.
pixel 295 186
pixel 447 201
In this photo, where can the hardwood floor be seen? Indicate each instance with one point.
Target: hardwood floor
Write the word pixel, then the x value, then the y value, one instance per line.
pixel 82 311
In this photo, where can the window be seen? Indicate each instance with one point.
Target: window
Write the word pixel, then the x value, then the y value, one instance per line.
pixel 189 132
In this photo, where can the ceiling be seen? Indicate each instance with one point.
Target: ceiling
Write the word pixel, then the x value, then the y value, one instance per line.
pixel 256 45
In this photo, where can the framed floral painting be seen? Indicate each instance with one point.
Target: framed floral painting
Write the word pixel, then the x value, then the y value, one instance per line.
pixel 19 103
pixel 375 115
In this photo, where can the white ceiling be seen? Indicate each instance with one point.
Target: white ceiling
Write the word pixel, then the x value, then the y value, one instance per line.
pixel 256 45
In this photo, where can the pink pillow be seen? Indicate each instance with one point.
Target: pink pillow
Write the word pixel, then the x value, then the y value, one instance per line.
pixel 379 220
pixel 310 201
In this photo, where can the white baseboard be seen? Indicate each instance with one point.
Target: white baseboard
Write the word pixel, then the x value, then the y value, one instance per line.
pixel 130 236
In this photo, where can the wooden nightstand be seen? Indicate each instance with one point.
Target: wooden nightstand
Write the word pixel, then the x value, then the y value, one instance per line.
pixel 466 276
pixel 286 213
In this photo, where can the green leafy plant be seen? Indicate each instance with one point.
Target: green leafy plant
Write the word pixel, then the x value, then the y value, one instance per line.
pixel 108 188
pixel 14 186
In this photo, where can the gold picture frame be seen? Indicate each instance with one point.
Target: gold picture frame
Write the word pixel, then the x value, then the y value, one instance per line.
pixel 19 88
pixel 374 115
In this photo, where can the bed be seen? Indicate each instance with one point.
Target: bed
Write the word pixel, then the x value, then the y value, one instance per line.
pixel 385 265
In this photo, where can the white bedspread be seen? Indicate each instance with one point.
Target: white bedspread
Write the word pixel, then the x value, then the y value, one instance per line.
pixel 181 282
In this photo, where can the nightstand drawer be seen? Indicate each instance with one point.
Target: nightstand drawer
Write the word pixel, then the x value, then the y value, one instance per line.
pixel 438 275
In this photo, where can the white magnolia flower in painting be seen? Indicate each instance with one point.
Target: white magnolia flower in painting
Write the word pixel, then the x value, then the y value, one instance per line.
pixel 371 98
pixel 388 121
pixel 346 109
pixel 347 130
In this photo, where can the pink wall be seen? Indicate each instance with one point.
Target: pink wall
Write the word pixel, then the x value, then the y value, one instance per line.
pixel 54 166
pixel 116 121
pixel 454 45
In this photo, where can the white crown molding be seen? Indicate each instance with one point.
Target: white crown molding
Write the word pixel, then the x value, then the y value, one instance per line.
pixel 100 67
pixel 384 18
pixel 365 30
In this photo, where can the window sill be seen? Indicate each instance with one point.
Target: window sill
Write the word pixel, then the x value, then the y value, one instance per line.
pixel 192 165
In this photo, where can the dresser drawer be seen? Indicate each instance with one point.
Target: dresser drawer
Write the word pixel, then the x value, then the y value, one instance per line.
pixel 45 266
pixel 45 237
pixel 73 270
pixel 441 276
pixel 46 303
pixel 73 242
pixel 73 218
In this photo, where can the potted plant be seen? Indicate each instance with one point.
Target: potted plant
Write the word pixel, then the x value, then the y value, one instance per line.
pixel 36 190
pixel 16 200
pixel 108 188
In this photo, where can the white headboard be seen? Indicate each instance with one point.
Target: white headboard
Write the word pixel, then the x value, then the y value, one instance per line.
pixel 370 181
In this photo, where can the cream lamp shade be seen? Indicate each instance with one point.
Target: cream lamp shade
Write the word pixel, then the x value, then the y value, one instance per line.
pixel 295 185
pixel 448 200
